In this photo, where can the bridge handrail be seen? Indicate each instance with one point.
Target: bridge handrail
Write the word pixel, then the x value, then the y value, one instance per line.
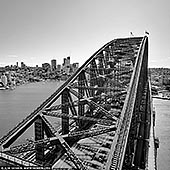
pixel 131 96
pixel 17 160
pixel 151 157
pixel 132 92
pixel 121 136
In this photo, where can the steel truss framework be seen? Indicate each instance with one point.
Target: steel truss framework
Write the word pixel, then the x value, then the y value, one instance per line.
pixel 102 115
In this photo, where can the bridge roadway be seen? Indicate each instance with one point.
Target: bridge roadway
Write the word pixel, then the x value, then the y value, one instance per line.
pixel 104 116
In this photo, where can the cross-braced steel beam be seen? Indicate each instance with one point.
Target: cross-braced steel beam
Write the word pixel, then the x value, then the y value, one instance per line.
pixel 97 119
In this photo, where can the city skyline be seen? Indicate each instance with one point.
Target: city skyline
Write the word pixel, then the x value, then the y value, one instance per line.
pixel 52 62
pixel 35 31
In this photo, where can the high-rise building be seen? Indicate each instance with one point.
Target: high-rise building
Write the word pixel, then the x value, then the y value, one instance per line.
pixel 64 62
pixel 66 65
pixel 23 65
pixel 68 61
pixel 53 64
pixel 59 67
pixel 45 65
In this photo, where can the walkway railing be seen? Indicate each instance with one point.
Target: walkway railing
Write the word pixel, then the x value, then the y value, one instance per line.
pixel 18 161
pixel 151 161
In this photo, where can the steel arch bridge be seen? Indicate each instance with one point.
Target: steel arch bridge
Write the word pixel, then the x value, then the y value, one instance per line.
pixel 103 113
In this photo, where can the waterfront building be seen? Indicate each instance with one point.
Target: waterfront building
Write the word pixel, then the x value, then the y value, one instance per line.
pixel 165 77
pixel 164 94
pixel 4 80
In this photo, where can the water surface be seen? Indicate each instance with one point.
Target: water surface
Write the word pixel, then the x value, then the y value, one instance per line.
pixel 162 108
pixel 17 104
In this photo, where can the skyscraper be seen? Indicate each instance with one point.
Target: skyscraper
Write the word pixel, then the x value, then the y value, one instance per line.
pixel 23 65
pixel 53 64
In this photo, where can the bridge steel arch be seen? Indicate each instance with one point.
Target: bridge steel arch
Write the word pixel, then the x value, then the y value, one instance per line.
pixel 103 114
pixel 132 132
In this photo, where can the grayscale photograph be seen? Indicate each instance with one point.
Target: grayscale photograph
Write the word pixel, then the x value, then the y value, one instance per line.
pixel 84 84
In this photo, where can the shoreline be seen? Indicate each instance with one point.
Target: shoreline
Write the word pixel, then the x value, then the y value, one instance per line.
pixel 159 97
pixel 28 82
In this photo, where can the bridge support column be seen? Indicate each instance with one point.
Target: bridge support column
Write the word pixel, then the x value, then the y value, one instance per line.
pixel 39 134
pixel 65 110
pixel 81 108
pixel 137 144
pixel 101 65
pixel 93 76
pixel 141 147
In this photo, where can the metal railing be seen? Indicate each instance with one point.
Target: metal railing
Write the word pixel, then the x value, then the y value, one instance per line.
pixel 18 161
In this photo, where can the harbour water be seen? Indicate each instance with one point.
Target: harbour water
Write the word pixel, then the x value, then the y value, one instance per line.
pixel 162 108
pixel 17 104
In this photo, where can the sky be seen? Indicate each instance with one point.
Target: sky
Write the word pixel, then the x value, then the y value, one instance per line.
pixel 36 31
